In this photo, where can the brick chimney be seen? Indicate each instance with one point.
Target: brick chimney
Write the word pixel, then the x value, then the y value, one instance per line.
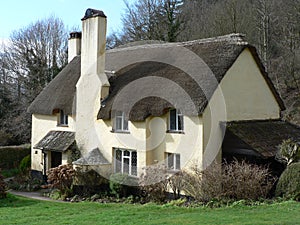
pixel 74 45
pixel 92 79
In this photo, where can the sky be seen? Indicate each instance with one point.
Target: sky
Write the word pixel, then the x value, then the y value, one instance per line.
pixel 17 14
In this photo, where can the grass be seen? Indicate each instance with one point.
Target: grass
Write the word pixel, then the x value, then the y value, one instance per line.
pixel 19 210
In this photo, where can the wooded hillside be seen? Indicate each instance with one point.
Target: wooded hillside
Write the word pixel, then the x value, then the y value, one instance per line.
pixel 39 51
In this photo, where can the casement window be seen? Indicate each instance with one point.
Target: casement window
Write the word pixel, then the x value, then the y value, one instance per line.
pixel 120 123
pixel 175 120
pixel 173 161
pixel 125 161
pixel 62 119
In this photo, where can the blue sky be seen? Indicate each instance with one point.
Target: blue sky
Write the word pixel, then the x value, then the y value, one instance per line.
pixel 17 14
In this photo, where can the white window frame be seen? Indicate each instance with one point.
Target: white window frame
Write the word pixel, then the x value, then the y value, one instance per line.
pixel 178 116
pixel 174 159
pixel 132 169
pixel 123 122
pixel 63 119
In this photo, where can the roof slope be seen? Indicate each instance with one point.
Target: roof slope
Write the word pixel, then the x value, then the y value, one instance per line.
pixel 264 136
pixel 58 141
pixel 60 93
pixel 218 53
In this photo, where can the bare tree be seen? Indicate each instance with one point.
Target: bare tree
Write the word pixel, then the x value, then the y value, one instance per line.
pixel 33 57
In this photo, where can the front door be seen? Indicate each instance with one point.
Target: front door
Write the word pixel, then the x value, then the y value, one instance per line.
pixel 56 159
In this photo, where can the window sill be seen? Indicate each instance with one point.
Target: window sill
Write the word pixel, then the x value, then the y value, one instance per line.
pixel 62 125
pixel 120 131
pixel 175 131
pixel 172 171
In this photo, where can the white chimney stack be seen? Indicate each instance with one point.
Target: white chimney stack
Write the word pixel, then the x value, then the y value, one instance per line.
pixel 92 79
pixel 74 45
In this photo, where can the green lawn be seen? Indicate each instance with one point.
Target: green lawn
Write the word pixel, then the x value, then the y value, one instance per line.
pixel 19 210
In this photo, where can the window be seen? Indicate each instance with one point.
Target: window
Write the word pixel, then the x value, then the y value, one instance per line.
pixel 121 123
pixel 175 120
pixel 125 161
pixel 62 119
pixel 173 161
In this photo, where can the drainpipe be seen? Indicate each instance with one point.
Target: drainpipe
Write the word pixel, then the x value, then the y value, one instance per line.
pixel 45 167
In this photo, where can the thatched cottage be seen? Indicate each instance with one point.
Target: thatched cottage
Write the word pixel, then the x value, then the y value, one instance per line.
pixel 127 108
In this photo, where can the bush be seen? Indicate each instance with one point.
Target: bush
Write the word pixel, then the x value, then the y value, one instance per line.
pixel 122 185
pixel 288 185
pixel 2 187
pixel 288 152
pixel 236 180
pixel 25 164
pixel 11 156
pixel 61 177
pixel 154 183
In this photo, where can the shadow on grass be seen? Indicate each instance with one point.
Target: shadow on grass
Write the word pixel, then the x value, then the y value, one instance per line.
pixel 16 201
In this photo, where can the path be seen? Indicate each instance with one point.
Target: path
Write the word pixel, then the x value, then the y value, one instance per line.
pixel 34 195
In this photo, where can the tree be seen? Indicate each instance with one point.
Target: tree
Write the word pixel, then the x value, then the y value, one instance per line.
pixel 32 58
pixel 152 20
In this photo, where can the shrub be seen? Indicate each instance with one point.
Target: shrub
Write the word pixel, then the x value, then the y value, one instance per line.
pixel 25 164
pixel 236 180
pixel 61 177
pixel 288 185
pixel 154 183
pixel 2 187
pixel 288 152
pixel 176 182
pixel 122 185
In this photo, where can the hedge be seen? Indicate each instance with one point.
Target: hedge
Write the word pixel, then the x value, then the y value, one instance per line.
pixel 11 156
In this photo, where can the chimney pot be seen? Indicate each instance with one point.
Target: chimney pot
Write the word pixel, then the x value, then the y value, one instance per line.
pixel 75 35
pixel 89 13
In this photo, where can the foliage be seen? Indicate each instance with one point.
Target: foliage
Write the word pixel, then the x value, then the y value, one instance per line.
pixel 2 186
pixel 121 185
pixel 288 152
pixel 288 185
pixel 61 177
pixel 176 183
pixel 236 180
pixel 11 156
pixel 154 183
pixel 25 164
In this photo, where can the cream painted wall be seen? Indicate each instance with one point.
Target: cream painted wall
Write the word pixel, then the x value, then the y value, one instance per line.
pixel 246 96
pixel 188 144
pixel 134 140
pixel 41 125
pixel 246 92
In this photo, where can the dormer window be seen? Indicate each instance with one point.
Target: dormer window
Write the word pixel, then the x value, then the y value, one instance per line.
pixel 120 123
pixel 62 118
pixel 175 121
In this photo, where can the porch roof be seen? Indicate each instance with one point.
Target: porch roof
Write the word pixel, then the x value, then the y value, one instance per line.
pixel 263 136
pixel 93 158
pixel 58 141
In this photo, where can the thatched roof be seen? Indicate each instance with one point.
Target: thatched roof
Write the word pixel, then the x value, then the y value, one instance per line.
pixel 58 141
pixel 153 85
pixel 60 93
pixel 262 136
pixel 217 53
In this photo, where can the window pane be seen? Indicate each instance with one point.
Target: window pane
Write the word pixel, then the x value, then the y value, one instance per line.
pixel 118 161
pixel 126 165
pixel 126 153
pixel 180 122
pixel 118 123
pixel 125 124
pixel 133 163
pixel 177 165
pixel 170 160
pixel 173 119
